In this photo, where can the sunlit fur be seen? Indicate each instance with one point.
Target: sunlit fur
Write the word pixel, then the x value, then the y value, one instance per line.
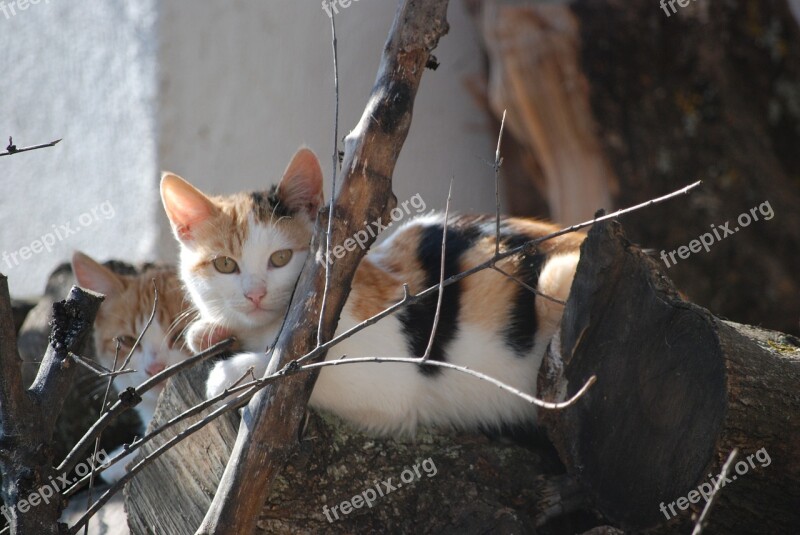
pixel 123 315
pixel 389 397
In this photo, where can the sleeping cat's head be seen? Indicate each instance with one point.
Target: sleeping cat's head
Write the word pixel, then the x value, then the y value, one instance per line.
pixel 124 314
pixel 242 254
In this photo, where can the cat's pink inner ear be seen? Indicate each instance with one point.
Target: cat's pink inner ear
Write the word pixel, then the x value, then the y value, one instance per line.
pixel 186 206
pixel 94 276
pixel 301 185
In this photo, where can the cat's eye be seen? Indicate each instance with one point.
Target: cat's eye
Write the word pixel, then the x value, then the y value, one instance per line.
pixel 173 341
pixel 126 342
pixel 280 258
pixel 225 265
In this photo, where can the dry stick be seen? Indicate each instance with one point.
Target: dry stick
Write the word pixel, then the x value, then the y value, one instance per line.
pixel 441 277
pixel 141 334
pixel 274 414
pixel 496 166
pixel 101 501
pixel 11 149
pixel 497 163
pixel 121 405
pixel 188 413
pixel 329 230
pixel 103 409
pixel 253 386
pixel 462 369
pixel 528 286
pixel 409 299
pixel 251 389
pixel 698 528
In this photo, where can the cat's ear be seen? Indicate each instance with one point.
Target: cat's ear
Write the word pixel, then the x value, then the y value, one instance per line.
pixel 301 186
pixel 94 276
pixel 186 206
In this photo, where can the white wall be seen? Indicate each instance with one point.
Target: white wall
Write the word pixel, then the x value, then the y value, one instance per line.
pixel 85 71
pixel 219 92
pixel 245 83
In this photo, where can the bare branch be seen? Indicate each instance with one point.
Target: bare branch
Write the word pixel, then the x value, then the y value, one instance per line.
pixel 441 276
pixel 96 367
pixel 410 299
pixel 335 161
pixel 462 369
pixel 24 461
pixel 273 416
pixel 144 330
pixel 701 522
pixel 528 286
pixel 233 404
pixel 103 408
pixel 126 401
pixel 497 163
pixel 12 149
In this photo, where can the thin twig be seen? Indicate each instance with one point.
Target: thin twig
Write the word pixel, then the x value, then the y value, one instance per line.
pixel 528 286
pixel 139 442
pixel 462 369
pixel 90 496
pixel 253 387
pixel 497 163
pixel 701 522
pixel 329 230
pixel 410 299
pixel 95 367
pixel 12 149
pixel 121 406
pixel 103 499
pixel 144 330
pixel 441 276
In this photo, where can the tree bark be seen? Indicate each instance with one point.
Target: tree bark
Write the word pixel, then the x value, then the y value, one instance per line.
pixel 677 389
pixel 268 432
pixel 28 416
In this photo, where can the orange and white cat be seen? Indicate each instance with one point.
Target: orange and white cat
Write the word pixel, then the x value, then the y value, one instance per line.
pixel 241 255
pixel 123 315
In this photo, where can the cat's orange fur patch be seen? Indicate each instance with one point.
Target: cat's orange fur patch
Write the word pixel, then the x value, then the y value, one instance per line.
pixel 486 294
pixel 118 313
pixel 381 290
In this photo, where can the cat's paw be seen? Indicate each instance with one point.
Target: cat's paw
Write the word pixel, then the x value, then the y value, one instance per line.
pixel 227 372
pixel 201 335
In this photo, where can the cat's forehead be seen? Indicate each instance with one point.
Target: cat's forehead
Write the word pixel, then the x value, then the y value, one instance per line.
pixel 248 219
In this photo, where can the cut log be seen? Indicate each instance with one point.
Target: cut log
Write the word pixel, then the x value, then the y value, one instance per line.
pixel 470 484
pixel 677 389
pixel 172 494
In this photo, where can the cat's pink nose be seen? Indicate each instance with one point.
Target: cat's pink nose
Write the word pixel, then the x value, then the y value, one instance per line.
pixel 154 368
pixel 255 296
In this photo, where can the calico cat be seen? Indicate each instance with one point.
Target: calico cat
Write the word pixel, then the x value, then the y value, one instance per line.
pixel 240 256
pixel 123 315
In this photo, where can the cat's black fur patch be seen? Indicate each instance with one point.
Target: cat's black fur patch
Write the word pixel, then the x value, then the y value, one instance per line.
pixel 523 323
pixel 417 319
pixel 268 204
